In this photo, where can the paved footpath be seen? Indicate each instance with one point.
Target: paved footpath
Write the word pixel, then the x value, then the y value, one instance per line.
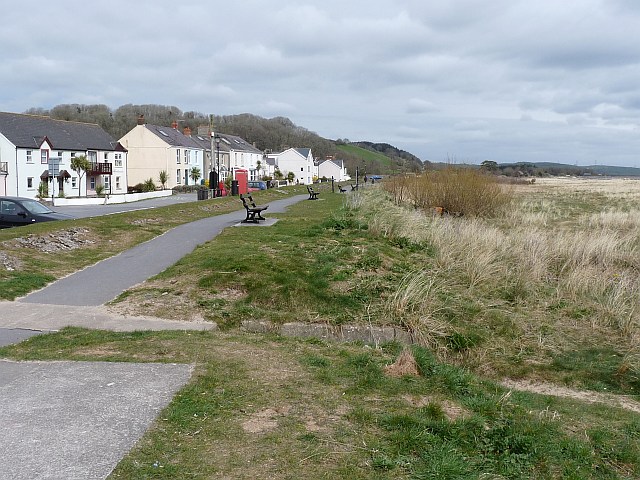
pixel 76 420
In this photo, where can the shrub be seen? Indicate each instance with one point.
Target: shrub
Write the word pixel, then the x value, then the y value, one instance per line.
pixel 458 191
pixel 149 185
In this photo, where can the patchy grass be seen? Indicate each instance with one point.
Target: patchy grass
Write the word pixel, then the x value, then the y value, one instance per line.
pixel 266 407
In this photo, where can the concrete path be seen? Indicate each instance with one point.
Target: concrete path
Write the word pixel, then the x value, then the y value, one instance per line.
pixel 102 282
pixel 76 420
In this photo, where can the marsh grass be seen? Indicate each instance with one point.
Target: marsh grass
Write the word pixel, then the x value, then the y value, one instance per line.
pixel 586 261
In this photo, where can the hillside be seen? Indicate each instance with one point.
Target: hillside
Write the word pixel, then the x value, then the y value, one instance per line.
pixel 275 134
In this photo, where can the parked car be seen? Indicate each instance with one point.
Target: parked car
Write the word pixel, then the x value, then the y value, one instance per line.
pixel 254 185
pixel 17 211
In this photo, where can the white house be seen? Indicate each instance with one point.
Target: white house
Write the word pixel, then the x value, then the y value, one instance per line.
pixel 243 155
pixel 153 149
pixel 299 161
pixel 32 147
pixel 332 168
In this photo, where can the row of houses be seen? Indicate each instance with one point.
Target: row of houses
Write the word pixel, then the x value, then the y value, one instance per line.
pixel 36 155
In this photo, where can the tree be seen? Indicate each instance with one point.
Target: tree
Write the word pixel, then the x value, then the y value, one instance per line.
pixel 278 174
pixel 291 177
pixel 489 166
pixel 258 167
pixel 194 174
pixel 80 165
pixel 163 176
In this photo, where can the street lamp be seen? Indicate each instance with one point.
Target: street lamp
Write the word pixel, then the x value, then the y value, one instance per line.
pixel 218 166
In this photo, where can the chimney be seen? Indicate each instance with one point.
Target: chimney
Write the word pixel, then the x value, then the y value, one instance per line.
pixel 141 119
pixel 187 131
pixel 204 130
pixel 174 125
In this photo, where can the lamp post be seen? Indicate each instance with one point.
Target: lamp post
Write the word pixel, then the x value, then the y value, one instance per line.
pixel 218 166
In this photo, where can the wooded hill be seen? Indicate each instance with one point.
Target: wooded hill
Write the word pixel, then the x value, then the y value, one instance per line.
pixel 273 134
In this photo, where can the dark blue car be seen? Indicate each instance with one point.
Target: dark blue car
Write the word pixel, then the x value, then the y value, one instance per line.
pixel 18 211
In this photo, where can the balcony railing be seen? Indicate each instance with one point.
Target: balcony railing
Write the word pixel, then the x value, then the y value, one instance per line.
pixel 98 168
pixel 4 168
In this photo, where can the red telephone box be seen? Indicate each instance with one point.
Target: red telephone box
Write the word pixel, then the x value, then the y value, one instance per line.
pixel 242 176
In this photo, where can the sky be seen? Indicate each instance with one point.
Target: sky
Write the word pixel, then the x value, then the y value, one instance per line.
pixel 448 80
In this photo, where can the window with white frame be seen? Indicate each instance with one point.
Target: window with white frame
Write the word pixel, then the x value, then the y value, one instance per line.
pixel 178 157
pixel 106 155
pixel 178 179
pixel 187 156
pixel 30 183
pixel 118 160
pixel 73 154
pixel 44 156
pixel 118 182
pixel 60 154
pixel 92 156
pixel 29 156
pixel 74 182
pixel 92 183
pixel 106 181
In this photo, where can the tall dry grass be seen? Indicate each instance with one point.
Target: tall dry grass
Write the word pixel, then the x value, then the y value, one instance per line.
pixel 459 191
pixel 591 265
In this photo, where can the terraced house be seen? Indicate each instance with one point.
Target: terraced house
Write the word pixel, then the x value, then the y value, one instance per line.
pixel 36 154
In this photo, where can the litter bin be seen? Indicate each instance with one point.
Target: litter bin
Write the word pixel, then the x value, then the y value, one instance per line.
pixel 234 187
pixel 203 194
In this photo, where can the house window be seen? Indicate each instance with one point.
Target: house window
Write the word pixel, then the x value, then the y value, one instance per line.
pixel 74 182
pixel 302 169
pixel 92 183
pixel 178 179
pixel 92 157
pixel 118 181
pixel 118 163
pixel 178 159
pixel 60 154
pixel 29 157
pixel 106 155
pixel 44 156
pixel 29 183
pixel 73 154
pixel 187 156
pixel 106 181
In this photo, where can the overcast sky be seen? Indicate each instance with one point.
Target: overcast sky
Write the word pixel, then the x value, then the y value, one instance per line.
pixel 464 80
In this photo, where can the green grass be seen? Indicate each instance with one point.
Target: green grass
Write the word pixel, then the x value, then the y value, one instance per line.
pixel 266 407
pixel 367 155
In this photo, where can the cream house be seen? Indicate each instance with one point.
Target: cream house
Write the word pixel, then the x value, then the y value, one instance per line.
pixel 36 154
pixel 154 148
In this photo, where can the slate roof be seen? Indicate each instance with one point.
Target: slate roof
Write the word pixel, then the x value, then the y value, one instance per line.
pixel 172 136
pixel 28 131
pixel 303 151
pixel 238 143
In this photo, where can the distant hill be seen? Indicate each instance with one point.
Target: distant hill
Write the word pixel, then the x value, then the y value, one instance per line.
pixel 551 168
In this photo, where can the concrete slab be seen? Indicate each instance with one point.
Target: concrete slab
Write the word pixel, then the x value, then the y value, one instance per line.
pixel 76 420
pixel 15 335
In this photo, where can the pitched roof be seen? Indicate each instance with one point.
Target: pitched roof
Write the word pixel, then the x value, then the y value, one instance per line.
pixel 237 143
pixel 303 151
pixel 172 136
pixel 28 131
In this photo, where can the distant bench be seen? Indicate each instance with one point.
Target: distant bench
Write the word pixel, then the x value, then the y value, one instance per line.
pixel 253 211
pixel 312 195
pixel 342 189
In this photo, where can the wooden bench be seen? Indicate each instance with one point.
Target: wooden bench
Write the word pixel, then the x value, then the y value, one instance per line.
pixel 312 195
pixel 253 211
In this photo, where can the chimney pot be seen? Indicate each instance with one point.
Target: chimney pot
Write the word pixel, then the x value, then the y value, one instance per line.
pixel 140 119
pixel 174 125
pixel 187 131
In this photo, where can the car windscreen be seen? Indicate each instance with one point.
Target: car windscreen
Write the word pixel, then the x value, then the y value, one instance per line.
pixel 36 207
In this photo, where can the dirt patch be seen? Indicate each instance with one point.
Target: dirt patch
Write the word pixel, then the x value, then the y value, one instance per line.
pixel 619 401
pixel 404 365
pixel 146 221
pixel 54 242
pixel 265 420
